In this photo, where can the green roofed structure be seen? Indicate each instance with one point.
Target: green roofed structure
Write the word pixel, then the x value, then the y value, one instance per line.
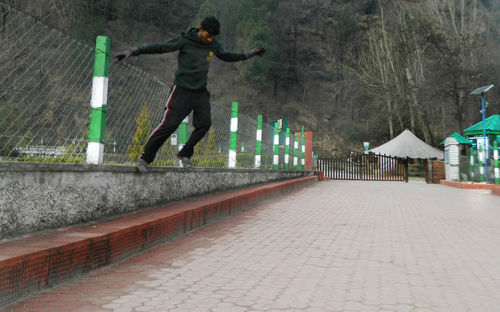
pixel 475 132
pixel 460 139
pixel 492 125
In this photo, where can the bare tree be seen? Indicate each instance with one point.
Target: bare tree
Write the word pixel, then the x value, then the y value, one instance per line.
pixel 455 34
pixel 381 70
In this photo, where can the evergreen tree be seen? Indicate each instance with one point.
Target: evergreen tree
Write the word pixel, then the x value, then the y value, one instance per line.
pixel 253 30
pixel 141 135
pixel 87 20
pixel 206 9
pixel 206 153
pixel 167 152
pixel 207 146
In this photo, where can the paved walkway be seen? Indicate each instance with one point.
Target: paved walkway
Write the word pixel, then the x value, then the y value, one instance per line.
pixel 333 246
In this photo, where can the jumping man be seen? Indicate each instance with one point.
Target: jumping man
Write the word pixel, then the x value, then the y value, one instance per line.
pixel 189 92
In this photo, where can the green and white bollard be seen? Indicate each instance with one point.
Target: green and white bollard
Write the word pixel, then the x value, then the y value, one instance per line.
pixel 233 136
pixel 481 166
pixel 276 146
pixel 183 134
pixel 258 143
pixel 287 148
pixel 495 157
pixel 296 151
pixel 303 151
pixel 472 162
pixel 98 102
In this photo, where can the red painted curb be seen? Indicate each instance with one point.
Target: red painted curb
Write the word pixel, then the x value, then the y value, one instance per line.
pixel 469 186
pixel 32 262
pixel 496 190
pixel 321 176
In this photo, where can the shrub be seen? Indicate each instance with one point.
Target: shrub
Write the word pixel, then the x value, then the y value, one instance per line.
pixel 141 135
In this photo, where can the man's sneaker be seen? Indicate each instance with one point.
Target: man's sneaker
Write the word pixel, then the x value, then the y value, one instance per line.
pixel 186 162
pixel 142 166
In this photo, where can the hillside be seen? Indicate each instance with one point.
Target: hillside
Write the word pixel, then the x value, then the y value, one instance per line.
pixel 350 71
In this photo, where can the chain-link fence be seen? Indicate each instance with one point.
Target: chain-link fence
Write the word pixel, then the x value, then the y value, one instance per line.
pixel 45 89
pixel 45 80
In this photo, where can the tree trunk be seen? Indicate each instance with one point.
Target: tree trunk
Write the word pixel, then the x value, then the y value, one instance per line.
pixel 458 112
pixel 389 119
pixel 420 115
pixel 443 117
pixel 412 116
pixel 400 120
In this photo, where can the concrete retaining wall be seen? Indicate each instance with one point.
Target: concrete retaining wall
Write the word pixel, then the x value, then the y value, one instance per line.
pixel 35 197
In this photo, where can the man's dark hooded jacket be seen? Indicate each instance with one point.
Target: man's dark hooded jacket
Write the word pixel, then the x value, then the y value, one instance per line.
pixel 194 57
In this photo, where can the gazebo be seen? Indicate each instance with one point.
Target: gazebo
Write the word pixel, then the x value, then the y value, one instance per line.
pixel 407 145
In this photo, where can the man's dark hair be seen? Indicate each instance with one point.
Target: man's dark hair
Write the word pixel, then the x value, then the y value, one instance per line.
pixel 211 24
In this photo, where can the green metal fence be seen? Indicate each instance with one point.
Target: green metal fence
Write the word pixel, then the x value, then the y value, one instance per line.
pixel 472 170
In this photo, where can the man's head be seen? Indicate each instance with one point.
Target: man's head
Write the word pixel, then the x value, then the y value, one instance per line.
pixel 210 27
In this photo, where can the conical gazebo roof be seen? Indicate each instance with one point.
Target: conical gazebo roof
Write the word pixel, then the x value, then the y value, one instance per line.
pixel 408 145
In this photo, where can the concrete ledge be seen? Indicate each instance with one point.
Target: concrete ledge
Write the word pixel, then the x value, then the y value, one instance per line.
pixel 39 196
pixel 32 262
pixel 495 189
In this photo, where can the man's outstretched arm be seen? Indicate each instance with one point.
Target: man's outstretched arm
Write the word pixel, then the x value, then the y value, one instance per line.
pixel 228 56
pixel 156 48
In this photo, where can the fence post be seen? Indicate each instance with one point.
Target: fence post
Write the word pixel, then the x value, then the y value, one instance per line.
pixel 287 148
pixel 276 146
pixel 258 143
pixel 233 136
pixel 303 150
pixel 98 102
pixel 183 133
pixel 295 151
pixel 481 167
pixel 472 162
pixel 308 152
pixel 299 151
pixel 495 157
pixel 406 170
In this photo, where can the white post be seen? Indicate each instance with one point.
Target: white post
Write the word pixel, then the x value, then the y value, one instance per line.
pixel 451 152
pixel 258 143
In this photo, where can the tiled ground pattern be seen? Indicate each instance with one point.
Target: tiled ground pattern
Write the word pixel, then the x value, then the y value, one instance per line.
pixel 333 246
pixel 45 259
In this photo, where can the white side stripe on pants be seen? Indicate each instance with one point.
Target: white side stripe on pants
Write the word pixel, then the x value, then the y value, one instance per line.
pixel 166 111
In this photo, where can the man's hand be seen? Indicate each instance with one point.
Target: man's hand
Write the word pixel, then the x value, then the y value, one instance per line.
pixel 126 54
pixel 255 51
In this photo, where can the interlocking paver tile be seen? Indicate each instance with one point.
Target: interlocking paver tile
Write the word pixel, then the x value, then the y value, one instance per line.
pixel 333 246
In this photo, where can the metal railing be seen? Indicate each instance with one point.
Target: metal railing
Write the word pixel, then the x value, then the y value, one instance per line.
pixel 366 167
